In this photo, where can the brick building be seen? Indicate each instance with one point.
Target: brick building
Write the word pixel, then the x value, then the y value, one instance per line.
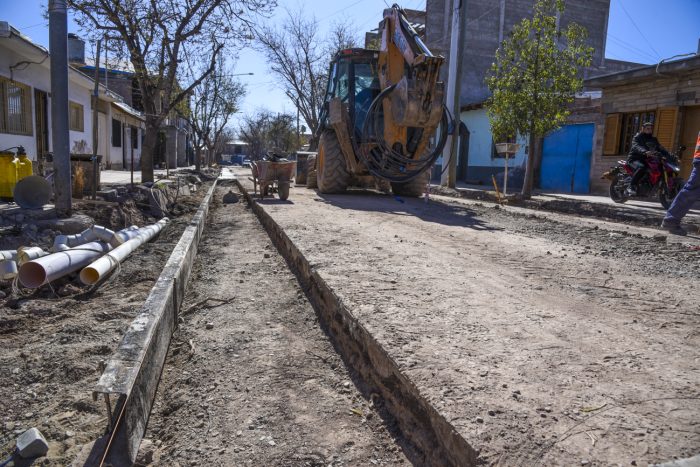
pixel 488 22
pixel 667 94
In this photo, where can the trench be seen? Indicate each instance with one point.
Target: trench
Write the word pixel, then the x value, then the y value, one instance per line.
pixel 432 438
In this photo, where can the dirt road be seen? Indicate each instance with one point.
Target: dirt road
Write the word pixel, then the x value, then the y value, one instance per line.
pixel 542 342
pixel 251 379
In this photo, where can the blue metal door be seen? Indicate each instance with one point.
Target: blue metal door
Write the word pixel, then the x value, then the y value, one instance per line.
pixel 566 159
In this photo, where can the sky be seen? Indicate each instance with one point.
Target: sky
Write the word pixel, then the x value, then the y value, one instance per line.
pixel 643 31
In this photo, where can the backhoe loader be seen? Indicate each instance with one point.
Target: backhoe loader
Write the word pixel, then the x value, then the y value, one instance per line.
pixel 380 113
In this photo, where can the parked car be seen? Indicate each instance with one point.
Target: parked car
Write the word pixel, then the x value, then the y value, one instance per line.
pixel 246 162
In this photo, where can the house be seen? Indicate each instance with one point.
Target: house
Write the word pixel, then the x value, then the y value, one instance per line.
pixel 174 137
pixel 25 117
pixel 488 23
pixel 667 94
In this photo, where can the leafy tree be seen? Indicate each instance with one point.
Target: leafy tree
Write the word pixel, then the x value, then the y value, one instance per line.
pixel 299 57
pixel 156 35
pixel 265 131
pixel 535 76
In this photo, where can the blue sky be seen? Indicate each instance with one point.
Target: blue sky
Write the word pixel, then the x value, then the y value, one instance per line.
pixel 644 31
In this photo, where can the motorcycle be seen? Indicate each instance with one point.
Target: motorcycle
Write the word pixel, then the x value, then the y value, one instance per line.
pixel 661 179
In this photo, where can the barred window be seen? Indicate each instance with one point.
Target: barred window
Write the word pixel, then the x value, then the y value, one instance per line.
pixel 76 117
pixel 15 108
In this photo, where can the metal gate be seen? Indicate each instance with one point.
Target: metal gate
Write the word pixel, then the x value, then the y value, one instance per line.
pixel 566 159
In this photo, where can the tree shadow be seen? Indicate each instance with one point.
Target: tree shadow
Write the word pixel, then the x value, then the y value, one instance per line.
pixel 430 211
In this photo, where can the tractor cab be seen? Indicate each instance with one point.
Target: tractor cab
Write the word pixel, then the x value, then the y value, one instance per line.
pixel 354 79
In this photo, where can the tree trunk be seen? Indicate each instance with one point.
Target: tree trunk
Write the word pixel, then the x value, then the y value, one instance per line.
pixel 198 158
pixel 148 149
pixel 530 165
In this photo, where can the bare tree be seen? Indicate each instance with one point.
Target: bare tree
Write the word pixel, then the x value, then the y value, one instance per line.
pixel 212 103
pixel 155 35
pixel 265 131
pixel 300 58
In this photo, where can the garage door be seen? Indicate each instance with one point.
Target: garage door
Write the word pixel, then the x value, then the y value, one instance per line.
pixel 566 159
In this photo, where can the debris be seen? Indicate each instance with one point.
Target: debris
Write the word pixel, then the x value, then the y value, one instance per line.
pixel 32 444
pixel 592 409
pixel 479 420
pixel 210 325
pixel 230 198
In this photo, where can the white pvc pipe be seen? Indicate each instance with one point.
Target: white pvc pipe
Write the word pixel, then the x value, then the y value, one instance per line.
pixel 28 253
pixel 102 266
pixel 8 255
pixel 94 233
pixel 48 268
pixel 8 265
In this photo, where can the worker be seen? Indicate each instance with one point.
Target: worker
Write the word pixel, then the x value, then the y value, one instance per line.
pixel 644 144
pixel 689 194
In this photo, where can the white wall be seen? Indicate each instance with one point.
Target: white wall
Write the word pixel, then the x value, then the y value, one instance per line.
pixel 38 76
pixel 116 158
pixel 480 141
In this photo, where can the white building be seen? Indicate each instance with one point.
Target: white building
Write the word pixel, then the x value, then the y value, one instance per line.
pixel 25 107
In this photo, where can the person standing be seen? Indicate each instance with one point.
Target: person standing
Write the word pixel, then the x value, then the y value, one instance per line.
pixel 689 194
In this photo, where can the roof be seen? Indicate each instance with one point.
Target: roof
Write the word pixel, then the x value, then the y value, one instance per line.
pixel 24 46
pixel 127 109
pixel 663 69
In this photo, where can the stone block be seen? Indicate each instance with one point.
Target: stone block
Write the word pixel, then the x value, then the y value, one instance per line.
pixel 32 444
pixel 108 195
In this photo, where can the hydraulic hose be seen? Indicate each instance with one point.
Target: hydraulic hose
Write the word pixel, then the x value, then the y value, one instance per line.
pixel 387 163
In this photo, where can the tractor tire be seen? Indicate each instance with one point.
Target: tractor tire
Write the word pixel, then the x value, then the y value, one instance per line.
pixel 332 175
pixel 311 173
pixel 412 188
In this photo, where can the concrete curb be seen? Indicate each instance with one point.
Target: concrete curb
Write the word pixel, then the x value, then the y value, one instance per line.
pixel 432 435
pixel 133 372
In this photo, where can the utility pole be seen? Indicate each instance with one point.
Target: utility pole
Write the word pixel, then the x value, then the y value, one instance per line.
pixel 449 154
pixel 58 45
pixel 95 133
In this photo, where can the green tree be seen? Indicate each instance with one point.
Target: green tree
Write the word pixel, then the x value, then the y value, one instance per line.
pixel 537 72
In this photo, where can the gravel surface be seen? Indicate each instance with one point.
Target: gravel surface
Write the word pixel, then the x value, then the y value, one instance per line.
pixel 251 378
pixel 542 342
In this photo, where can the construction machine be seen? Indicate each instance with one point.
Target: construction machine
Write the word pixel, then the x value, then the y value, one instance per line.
pixel 380 114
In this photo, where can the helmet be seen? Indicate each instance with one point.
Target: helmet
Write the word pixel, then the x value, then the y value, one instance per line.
pixel 646 124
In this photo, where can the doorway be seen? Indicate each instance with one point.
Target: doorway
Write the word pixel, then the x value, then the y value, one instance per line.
pixel 463 158
pixel 689 136
pixel 566 159
pixel 42 128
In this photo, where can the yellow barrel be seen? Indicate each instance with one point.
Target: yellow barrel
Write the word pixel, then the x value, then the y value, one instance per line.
pixel 8 174
pixel 24 166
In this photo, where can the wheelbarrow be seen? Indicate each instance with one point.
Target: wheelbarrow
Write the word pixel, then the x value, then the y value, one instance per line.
pixel 273 177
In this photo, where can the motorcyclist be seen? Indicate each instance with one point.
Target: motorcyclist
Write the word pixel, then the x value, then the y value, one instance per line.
pixel 644 144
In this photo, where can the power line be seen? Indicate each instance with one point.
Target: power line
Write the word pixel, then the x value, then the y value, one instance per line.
pixel 342 9
pixel 639 30
pixel 633 50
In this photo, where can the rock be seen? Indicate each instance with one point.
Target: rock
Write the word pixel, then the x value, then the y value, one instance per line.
pixel 266 255
pixel 108 195
pixel 32 444
pixel 492 413
pixel 210 325
pixel 68 289
pixel 230 198
pixel 479 420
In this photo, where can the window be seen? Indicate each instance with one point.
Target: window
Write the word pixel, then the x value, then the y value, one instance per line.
pixel 76 118
pixel 15 108
pixel 134 137
pixel 631 125
pixel 116 133
pixel 621 128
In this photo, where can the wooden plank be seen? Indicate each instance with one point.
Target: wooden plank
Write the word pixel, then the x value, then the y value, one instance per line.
pixel 133 372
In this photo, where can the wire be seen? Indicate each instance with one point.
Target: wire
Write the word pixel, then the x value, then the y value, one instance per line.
pixel 386 162
pixel 639 30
